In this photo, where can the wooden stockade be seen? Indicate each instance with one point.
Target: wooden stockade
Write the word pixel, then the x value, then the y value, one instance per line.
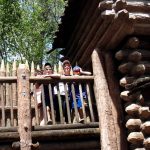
pixel 9 97
pixel 19 108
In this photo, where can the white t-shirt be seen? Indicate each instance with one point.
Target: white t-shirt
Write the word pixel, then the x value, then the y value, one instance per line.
pixel 61 88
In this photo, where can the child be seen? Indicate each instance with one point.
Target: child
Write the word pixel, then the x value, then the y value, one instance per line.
pixel 66 72
pixel 76 72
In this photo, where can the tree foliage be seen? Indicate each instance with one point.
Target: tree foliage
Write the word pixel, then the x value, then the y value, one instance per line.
pixel 27 29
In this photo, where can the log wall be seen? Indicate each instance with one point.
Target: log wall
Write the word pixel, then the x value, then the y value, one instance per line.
pixel 134 67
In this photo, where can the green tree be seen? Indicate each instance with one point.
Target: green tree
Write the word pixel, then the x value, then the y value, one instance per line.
pixel 27 29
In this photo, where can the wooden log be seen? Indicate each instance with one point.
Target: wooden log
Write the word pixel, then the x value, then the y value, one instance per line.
pixel 17 146
pixel 54 134
pixel 119 5
pixel 134 6
pixel 71 145
pixel 135 57
pixel 133 124
pixel 133 109
pixel 81 28
pixel 144 112
pixel 137 82
pixel 125 68
pixel 85 41
pixel 123 25
pixel 103 100
pixel 138 70
pixel 74 36
pixel 90 29
pixel 7 86
pixel 133 42
pixel 67 145
pixel 9 136
pixel 126 80
pixel 14 89
pixel 126 97
pixel 24 108
pixel 139 89
pixel 71 134
pixel 146 143
pixel 62 79
pixel 142 23
pixel 134 69
pixel 90 46
pixel 105 5
pixel 2 96
pixel 135 137
pixel 116 102
pixel 145 127
pixel 66 126
pixel 123 54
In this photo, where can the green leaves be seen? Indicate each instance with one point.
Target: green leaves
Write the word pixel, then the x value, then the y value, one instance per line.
pixel 26 27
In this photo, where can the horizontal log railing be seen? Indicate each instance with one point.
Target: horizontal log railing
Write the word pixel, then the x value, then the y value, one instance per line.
pixel 61 111
pixel 9 100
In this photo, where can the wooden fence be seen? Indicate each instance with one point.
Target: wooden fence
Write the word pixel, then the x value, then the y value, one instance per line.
pixel 12 82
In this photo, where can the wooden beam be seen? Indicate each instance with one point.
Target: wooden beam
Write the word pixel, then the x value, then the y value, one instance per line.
pixel 116 32
pixel 81 30
pixel 123 55
pixel 103 100
pixel 105 5
pixel 92 44
pixel 24 108
pixel 108 40
pixel 115 102
pixel 89 32
pixel 142 29
pixel 61 78
pixel 143 6
pixel 132 43
pixel 60 145
pixel 141 23
pixel 71 145
pixel 55 135
pixel 8 79
pixel 119 5
pixel 66 126
pixel 78 25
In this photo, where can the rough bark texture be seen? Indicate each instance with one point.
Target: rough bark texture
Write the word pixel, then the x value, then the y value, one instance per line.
pixel 115 101
pixel 106 121
pixel 24 108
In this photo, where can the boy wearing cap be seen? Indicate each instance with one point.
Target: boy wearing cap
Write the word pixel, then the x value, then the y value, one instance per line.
pixel 66 72
pixel 78 71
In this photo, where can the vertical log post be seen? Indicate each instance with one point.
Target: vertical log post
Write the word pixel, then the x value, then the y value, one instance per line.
pixel 108 138
pixel 117 111
pixel 8 97
pixel 14 94
pixel 24 108
pixel 3 90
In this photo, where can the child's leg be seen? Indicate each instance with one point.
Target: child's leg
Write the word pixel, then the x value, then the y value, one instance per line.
pixel 80 113
pixel 49 120
pixel 41 116
pixel 72 115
